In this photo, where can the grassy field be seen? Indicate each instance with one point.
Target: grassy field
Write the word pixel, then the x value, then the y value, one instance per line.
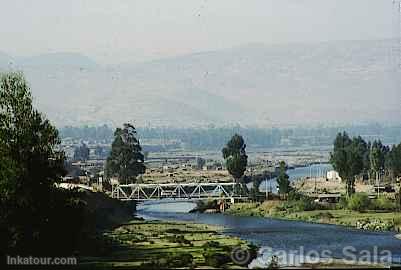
pixel 151 244
pixel 338 217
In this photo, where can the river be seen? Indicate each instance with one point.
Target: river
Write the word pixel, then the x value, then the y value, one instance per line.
pixel 315 170
pixel 300 239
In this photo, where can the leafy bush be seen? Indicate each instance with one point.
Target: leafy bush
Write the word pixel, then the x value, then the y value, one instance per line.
pixel 306 204
pixel 397 220
pixel 172 261
pixel 343 203
pixel 298 202
pixel 173 231
pixel 359 202
pixel 215 259
pixel 383 203
pixel 180 239
pixel 211 244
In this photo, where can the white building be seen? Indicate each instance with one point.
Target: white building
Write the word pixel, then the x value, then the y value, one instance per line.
pixel 333 176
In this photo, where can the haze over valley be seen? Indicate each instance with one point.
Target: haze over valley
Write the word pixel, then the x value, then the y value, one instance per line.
pixel 266 85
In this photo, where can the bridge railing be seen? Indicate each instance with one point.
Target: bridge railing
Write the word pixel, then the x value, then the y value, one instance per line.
pixel 142 192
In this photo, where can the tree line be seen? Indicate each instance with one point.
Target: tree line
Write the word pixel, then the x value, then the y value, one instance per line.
pixel 353 156
pixel 214 138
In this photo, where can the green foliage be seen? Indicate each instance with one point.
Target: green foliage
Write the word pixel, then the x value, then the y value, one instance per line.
pixel 254 194
pixel 359 202
pixel 297 202
pixel 33 211
pixel 215 259
pixel 172 261
pixel 343 203
pixel 348 158
pixel 235 155
pixel 126 160
pixel 383 203
pixel 283 179
pixel 211 244
pixel 179 239
pixel 378 153
pixel 393 160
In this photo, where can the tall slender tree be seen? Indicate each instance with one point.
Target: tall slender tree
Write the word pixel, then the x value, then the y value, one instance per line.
pixel 347 159
pixel 236 160
pixel 283 180
pixel 33 210
pixel 378 153
pixel 126 160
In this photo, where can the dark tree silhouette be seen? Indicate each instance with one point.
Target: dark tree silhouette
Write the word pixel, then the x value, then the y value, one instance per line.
pixel 236 160
pixel 347 159
pixel 126 160
pixel 283 181
pixel 32 208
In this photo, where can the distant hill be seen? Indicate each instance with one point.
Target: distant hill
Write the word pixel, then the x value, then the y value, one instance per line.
pixel 58 60
pixel 336 82
pixel 5 61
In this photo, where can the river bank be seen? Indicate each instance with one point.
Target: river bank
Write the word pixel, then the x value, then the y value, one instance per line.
pixel 372 221
pixel 157 244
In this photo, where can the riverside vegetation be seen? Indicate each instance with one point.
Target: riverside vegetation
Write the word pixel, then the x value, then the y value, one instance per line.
pixel 357 211
pixel 158 245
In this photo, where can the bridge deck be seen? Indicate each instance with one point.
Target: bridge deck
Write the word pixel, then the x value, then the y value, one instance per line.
pixel 182 191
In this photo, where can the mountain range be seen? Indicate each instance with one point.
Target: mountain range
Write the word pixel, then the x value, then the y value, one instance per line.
pixel 266 85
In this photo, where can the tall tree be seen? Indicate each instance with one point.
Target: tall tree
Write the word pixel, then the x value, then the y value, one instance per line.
pixel 30 165
pixel 126 160
pixel 363 149
pixel 236 159
pixel 235 155
pixel 200 162
pixel 347 159
pixel 283 181
pixel 378 153
pixel 393 160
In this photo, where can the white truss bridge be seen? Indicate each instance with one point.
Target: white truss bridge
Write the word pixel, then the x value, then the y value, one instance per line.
pixel 180 191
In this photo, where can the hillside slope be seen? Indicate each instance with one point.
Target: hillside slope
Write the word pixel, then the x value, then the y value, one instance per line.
pixel 336 82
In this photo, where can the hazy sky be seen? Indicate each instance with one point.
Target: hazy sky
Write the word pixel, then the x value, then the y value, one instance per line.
pixel 137 30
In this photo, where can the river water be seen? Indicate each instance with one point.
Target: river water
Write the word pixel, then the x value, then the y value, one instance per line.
pixel 316 170
pixel 297 240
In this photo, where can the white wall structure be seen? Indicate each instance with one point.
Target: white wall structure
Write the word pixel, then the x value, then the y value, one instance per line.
pixel 333 176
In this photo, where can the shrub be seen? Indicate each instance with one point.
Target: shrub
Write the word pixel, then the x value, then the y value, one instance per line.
pixel 211 244
pixel 215 259
pixel 171 261
pixel 343 203
pixel 359 202
pixel 181 260
pixel 397 220
pixel 305 204
pixel 180 239
pixel 383 203
pixel 298 202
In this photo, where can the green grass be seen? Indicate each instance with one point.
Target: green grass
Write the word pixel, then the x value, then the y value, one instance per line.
pixel 338 217
pixel 141 242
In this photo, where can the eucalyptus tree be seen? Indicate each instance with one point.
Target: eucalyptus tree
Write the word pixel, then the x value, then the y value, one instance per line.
pixel 236 159
pixel 33 210
pixel 126 160
pixel 347 159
